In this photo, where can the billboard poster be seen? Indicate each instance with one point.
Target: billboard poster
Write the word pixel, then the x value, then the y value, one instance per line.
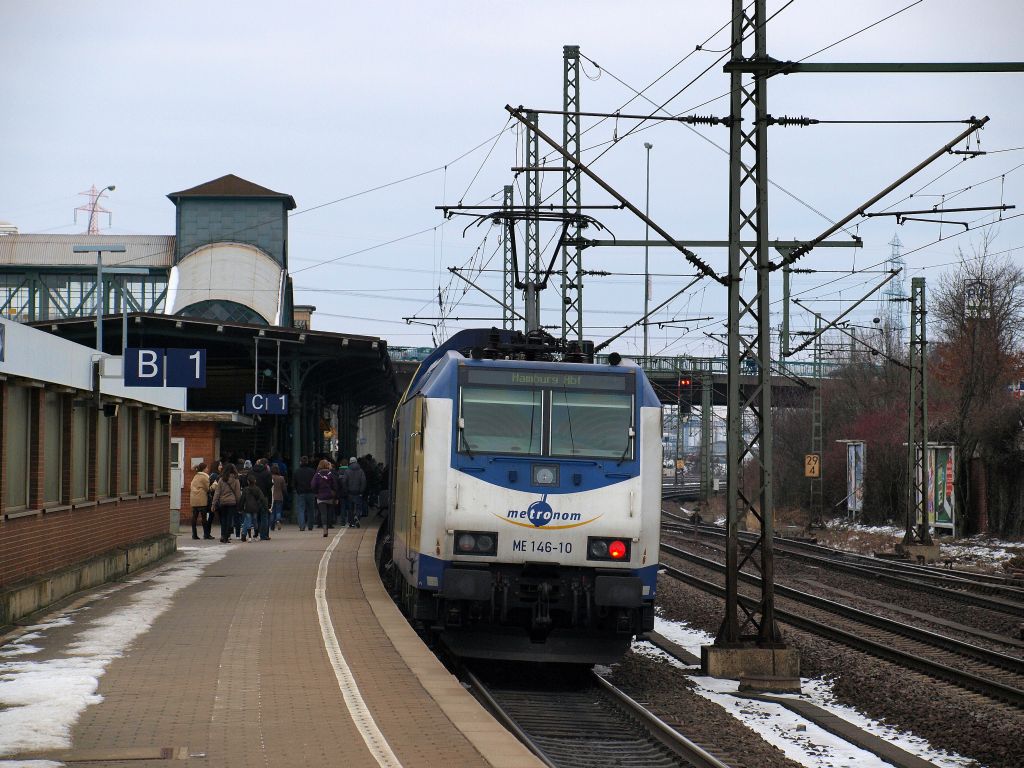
pixel 941 490
pixel 855 455
pixel 940 487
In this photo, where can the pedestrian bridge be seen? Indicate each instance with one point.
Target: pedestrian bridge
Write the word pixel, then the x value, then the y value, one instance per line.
pixel 791 381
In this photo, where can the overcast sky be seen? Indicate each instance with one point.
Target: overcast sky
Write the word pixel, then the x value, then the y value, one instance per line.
pixel 324 100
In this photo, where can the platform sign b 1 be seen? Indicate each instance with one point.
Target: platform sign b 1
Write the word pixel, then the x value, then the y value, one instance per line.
pixel 186 368
pixel 143 367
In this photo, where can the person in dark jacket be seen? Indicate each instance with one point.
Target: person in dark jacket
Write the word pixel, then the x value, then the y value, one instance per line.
pixel 325 486
pixel 261 472
pixel 355 485
pixel 254 503
pixel 305 500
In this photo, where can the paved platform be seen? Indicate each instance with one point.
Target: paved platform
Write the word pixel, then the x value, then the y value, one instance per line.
pixel 279 653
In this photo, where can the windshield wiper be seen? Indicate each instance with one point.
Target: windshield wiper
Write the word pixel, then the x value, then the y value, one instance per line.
pixel 629 442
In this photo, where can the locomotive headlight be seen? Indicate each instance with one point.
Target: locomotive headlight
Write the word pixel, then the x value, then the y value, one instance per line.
pixel 481 543
pixel 599 548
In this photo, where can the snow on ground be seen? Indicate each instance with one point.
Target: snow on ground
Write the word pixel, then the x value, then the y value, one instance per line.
pixel 41 700
pixel 800 740
pixel 979 550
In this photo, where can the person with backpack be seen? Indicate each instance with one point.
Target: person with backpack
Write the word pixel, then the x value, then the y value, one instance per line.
pixel 325 486
pixel 256 508
pixel 225 501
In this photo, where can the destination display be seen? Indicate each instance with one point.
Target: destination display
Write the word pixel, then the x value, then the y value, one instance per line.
pixel 548 379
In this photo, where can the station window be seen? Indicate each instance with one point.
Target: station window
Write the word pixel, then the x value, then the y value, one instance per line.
pixel 104 451
pixel 81 418
pixel 145 451
pixel 125 441
pixel 53 447
pixel 160 455
pixel 16 447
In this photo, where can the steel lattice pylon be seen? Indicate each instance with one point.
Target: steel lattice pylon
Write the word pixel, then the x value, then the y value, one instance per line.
pixel 532 266
pixel 749 304
pixel 816 418
pixel 917 422
pixel 508 294
pixel 572 255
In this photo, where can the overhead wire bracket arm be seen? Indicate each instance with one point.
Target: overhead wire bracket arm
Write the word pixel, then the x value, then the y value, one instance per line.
pixel 902 214
pixel 831 324
pixel 857 339
pixel 771 67
pixel 693 258
pixel 456 271
pixel 802 250
pixel 609 340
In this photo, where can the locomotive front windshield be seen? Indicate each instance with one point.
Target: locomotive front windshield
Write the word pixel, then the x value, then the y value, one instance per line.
pixel 499 420
pixel 557 414
pixel 590 424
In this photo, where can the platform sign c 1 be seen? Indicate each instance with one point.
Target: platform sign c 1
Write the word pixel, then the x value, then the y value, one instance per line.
pixel 271 404
pixel 812 465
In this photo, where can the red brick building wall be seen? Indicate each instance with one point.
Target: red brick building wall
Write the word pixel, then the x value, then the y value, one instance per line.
pixel 202 442
pixel 46 535
pixel 34 545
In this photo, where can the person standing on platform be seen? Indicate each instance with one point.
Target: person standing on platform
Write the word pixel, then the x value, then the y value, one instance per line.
pixel 199 499
pixel 256 507
pixel 277 491
pixel 355 485
pixel 325 486
pixel 225 501
pixel 243 482
pixel 305 501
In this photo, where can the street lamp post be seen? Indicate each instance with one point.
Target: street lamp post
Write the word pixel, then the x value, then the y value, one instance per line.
pixel 647 234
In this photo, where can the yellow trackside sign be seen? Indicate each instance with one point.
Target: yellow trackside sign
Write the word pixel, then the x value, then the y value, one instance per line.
pixel 812 465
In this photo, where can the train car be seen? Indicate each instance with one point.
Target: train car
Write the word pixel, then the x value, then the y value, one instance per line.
pixel 526 503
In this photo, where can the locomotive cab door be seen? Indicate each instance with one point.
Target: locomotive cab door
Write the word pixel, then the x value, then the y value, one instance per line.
pixel 415 479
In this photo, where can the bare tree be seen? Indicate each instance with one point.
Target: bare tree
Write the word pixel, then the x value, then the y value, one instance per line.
pixel 979 309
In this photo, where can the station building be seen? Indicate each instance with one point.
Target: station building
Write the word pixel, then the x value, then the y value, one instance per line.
pixel 84 471
pixel 220 283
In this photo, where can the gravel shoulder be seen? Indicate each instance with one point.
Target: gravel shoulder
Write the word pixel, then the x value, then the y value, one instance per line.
pixel 948 717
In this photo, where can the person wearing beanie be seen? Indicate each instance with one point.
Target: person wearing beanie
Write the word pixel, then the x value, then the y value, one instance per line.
pixel 355 484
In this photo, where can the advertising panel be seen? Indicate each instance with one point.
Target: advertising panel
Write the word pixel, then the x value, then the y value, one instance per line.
pixel 941 496
pixel 855 456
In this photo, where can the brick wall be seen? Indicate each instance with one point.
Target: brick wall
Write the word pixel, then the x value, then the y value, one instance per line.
pixel 49 534
pixel 200 443
pixel 37 544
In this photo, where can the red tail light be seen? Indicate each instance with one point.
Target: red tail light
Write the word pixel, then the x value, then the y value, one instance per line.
pixel 617 550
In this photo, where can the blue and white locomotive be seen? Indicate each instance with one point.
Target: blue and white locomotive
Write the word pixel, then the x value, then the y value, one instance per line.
pixel 526 500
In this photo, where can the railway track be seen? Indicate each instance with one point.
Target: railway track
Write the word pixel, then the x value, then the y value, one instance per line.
pixel 968 666
pixel 580 720
pixel 960 586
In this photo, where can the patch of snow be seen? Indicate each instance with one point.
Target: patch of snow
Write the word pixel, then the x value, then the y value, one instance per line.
pixel 29 764
pixel 40 701
pixel 976 553
pixel 801 740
